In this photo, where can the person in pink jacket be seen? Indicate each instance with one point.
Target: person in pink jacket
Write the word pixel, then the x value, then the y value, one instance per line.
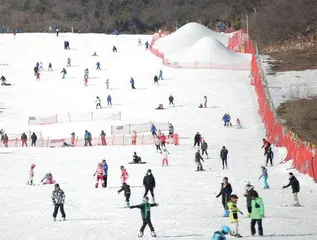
pixel 100 173
pixel 165 154
pixel 124 175
pixel 133 137
pixel 163 140
pixel 31 175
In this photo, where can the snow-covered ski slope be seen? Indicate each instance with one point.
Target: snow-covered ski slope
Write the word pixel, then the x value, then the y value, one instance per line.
pixel 188 206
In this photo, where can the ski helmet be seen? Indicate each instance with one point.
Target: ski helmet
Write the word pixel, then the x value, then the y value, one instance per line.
pixel 56 185
pixel 226 229
pixel 122 167
pixel 33 165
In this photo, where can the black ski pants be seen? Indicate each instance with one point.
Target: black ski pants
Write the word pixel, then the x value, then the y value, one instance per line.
pixel 163 144
pixel 204 151
pixel 127 197
pixel 147 222
pixel 61 207
pixel 197 142
pixel 33 143
pixel 105 179
pixel 225 201
pixel 88 142
pixel 98 105
pixel 249 209
pixel 158 147
pixel 147 191
pixel 224 162
pixel 253 222
pixel 171 102
pixel 269 158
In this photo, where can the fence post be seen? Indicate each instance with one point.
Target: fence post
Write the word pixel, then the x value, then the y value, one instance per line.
pixel 92 116
pixel 70 120
pixel 16 143
pixel 47 142
pixel 122 139
pixel 142 139
pixel 113 139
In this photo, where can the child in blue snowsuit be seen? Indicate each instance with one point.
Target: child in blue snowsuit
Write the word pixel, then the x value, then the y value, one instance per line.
pixel 265 177
pixel 132 83
pixel 153 130
pixel 109 100
pixel 220 235
pixel 161 75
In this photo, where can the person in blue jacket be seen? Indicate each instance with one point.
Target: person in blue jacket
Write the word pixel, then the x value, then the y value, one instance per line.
pixel 146 45
pixel 132 83
pixel 109 100
pixel 98 66
pixel 226 118
pixel 87 138
pixel 153 130
pixel 161 75
pixel 220 235
pixel 105 168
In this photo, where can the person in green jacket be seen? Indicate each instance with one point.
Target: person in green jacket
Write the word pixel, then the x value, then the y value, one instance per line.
pixel 146 215
pixel 257 213
pixel 233 215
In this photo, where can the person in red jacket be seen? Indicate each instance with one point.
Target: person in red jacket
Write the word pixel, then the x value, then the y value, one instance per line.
pixel 163 140
pixel 266 145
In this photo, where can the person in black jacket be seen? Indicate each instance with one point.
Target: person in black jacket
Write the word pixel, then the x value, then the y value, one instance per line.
pixel 146 215
pixel 156 80
pixel 197 139
pixel 269 156
pixel 171 100
pixel 224 156
pixel 295 187
pixel 34 139
pixel 149 184
pixel 127 193
pixel 225 192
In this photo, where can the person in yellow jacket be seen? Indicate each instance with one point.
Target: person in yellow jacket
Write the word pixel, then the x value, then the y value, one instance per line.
pixel 233 215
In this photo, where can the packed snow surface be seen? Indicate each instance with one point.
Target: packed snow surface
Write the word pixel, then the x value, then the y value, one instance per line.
pixel 188 207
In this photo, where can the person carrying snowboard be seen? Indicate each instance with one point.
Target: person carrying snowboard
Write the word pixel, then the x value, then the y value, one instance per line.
pixel 103 138
pixel 198 162
pixel 233 215
pixel 145 208
pixel 257 213
pixel 31 175
pixel 124 175
pixel 171 100
pixel 49 179
pixel 204 147
pixel 127 193
pixel 100 173
pixel 109 101
pixel 265 177
pixel 295 188
pixel 98 102
pixel 225 192
pixel 156 80
pixel 249 189
pixel 58 198
pixel 269 156
pixel 149 184
pixel 105 169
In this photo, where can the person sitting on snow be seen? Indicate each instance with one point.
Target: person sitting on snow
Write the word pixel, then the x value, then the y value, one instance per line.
pixel 136 158
pixel 160 106
pixel 3 81
pixel 49 179
pixel 220 235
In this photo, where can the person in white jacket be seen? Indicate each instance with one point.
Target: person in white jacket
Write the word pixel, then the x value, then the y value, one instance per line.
pixel 165 154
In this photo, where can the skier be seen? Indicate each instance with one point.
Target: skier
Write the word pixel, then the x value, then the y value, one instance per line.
pixel 103 138
pixel 5 140
pixel 127 193
pixel 149 184
pixel 98 66
pixel 162 140
pixel 65 45
pixel 87 138
pixel 225 192
pixel 136 158
pixel 170 130
pixel 220 235
pixel 269 156
pixel 58 198
pixel 109 100
pixel 85 81
pixel 57 32
pixel 86 73
pixel 34 139
pixel 249 189
pixel 161 75
pixel 107 83
pixel 124 174
pixel 37 76
pixel 257 213
pixel 114 49
pixel 64 72
pixel 24 139
pixel 165 154
pixel 100 173
pixel 197 139
pixel 205 101
pixel 49 179
pixel 238 122
pixel 36 69
pixel 171 100
pixel 50 68
pixel 295 188
pixel 132 83
pixel 133 137
pixel 198 162
pixel 105 169
pixel 72 139
pixel 146 216
pixel 224 156
pixel 98 102
pixel 265 177
pixel 157 143
pixel 69 62
pixel 31 175
pixel 204 147
pixel 153 130
pixel 233 215
pixel 146 45
pixel 156 80
pixel 266 145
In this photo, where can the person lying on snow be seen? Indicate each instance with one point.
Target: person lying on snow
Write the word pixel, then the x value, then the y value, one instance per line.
pixel 49 179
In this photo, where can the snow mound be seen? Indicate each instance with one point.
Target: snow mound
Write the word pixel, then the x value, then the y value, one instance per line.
pixel 210 50
pixel 186 37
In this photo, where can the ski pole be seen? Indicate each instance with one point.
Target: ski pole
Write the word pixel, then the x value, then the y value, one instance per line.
pixel 72 206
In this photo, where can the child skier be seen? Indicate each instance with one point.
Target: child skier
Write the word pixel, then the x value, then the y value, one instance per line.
pixel 31 175
pixel 64 72
pixel 233 215
pixel 86 81
pixel 265 177
pixel 127 193
pixel 49 179
pixel 163 140
pixel 238 122
pixel 124 175
pixel 98 102
pixel 145 208
pixel 134 137
pixel 58 198
pixel 109 101
pixel 220 235
pixel 249 189
pixel 157 143
pixel 225 192
pixel 257 213
pixel 165 154
pixel 72 139
pixel 100 173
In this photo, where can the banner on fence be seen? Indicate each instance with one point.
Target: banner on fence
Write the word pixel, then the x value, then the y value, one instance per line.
pixel 138 128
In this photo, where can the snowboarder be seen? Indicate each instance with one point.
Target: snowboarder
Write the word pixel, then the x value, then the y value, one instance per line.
pixel 98 66
pixel 31 175
pixel 134 137
pixel 224 157
pixel 72 139
pixel 49 179
pixel 114 49
pixel 165 154
pixel 109 100
pixel 197 139
pixel 153 130
pixel 127 193
pixel 103 138
pixel 87 138
pixel 98 102
pixel 162 140
pixel 249 189
pixel 204 147
pixel 136 158
pixel 100 173
pixel 58 198
pixel 64 72
pixel 50 68
pixel 156 80
pixel 220 235
pixel 132 83
pixel 38 76
pixel 149 184
pixel 107 83
pixel 171 100
pixel 146 45
pixel 170 130
pixel 238 122
pixel 24 139
pixel 257 213
pixel 265 177
pixel 124 174
pixel 295 187
pixel 205 101
pixel 233 215
pixel 269 156
pixel 225 192
pixel 34 139
pixel 146 216
pixel 198 162
pixel 161 75
pixel 69 62
pixel 157 143
pixel 105 169
pixel 266 145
